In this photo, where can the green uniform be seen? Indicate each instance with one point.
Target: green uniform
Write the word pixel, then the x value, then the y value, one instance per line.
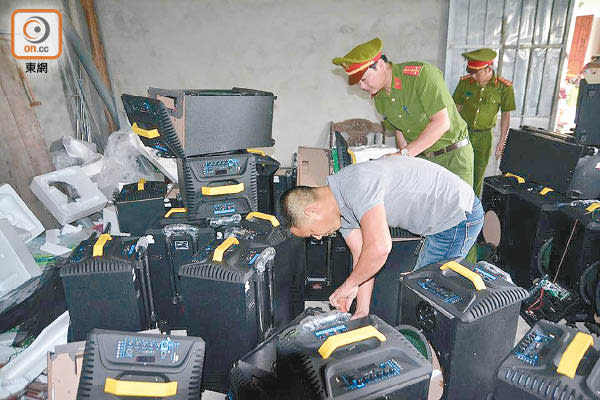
pixel 418 91
pixel 480 107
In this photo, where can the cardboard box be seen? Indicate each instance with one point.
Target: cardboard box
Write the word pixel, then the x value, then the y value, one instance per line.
pixel 64 370
pixel 313 166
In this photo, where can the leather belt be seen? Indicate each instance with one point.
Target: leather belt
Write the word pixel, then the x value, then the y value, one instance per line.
pixel 479 131
pixel 447 149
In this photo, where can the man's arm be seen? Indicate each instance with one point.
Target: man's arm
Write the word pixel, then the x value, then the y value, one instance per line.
pixel 363 298
pixel 439 123
pixel 376 245
pixel 504 125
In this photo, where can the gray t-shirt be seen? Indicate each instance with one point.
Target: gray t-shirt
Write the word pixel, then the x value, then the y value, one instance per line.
pixel 418 195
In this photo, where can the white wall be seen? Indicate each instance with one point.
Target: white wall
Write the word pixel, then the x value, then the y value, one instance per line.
pixel 281 46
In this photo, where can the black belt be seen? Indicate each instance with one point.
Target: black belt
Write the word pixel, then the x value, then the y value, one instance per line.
pixel 479 131
pixel 446 149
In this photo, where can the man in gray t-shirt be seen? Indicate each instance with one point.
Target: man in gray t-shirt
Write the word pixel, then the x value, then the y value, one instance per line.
pixel 364 200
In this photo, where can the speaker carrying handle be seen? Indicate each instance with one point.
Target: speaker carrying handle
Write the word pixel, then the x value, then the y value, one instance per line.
pixel 332 343
pixel 574 353
pixel 222 248
pixel 517 177
pixel 474 277
pixel 145 389
pixel 271 218
pixel 221 190
pixel 150 134
pixel 175 210
pixel 98 249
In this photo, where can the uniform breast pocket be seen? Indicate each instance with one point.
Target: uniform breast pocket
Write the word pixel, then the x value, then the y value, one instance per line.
pixel 491 100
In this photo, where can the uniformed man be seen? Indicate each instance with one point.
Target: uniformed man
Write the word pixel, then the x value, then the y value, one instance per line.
pixel 478 96
pixel 415 102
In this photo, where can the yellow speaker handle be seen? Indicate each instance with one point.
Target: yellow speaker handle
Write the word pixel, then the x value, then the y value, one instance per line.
pixel 220 190
pixel 593 207
pixel 222 248
pixel 574 353
pixel 474 277
pixel 271 218
pixel 151 134
pixel 546 190
pixel 332 343
pixel 98 249
pixel 256 151
pixel 175 210
pixel 352 156
pixel 140 389
pixel 141 184
pixel 517 177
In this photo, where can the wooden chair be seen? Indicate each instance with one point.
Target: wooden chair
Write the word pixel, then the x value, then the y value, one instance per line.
pixel 356 129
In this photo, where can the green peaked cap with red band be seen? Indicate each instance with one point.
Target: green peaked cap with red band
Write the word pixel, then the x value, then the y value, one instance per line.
pixel 480 58
pixel 357 60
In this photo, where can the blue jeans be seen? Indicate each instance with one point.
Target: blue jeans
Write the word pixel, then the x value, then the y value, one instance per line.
pixel 453 243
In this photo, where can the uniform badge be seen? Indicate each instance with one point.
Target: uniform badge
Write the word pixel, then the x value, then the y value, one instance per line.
pixel 397 83
pixel 413 70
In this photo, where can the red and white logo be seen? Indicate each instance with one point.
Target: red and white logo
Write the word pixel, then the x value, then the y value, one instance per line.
pixel 36 34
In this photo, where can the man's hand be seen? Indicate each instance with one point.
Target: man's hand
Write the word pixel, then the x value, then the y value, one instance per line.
pixel 499 149
pixel 360 313
pixel 343 296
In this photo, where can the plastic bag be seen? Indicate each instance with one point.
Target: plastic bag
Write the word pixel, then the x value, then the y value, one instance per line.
pixel 83 152
pixel 121 164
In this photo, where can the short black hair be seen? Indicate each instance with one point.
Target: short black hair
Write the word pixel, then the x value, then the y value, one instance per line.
pixel 293 202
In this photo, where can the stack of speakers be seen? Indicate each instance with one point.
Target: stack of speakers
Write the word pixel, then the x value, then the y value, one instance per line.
pixel 540 206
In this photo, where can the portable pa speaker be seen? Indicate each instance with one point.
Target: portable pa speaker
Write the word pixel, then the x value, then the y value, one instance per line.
pixel 551 362
pixel 587 120
pixel 402 259
pixel 214 121
pixel 139 205
pixel 227 302
pixel 328 264
pixel 219 185
pixel 106 286
pixel 122 365
pixel 471 324
pixel 329 357
pixel 576 245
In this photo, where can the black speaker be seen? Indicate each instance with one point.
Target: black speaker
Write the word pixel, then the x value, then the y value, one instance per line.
pixel 552 160
pixel 283 180
pixel 471 324
pixel 218 185
pixel 173 245
pixel 386 292
pixel 106 286
pixel 576 245
pixel 328 264
pixel 535 219
pixel 121 365
pixel 328 357
pixel 551 362
pixel 139 205
pixel 227 302
pixel 587 120
pixel 265 170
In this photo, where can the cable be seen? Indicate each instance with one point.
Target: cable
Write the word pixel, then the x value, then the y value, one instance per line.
pixel 566 249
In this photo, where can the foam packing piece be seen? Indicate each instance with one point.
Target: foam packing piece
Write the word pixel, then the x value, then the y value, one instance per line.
pixel 14 209
pixel 68 194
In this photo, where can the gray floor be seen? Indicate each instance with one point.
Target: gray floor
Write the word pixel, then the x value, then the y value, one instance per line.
pixel 522 329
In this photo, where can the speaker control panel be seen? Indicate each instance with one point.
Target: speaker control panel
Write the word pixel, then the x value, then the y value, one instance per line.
pixel 447 295
pixel 222 167
pixel 147 350
pixel 360 377
pixel 533 347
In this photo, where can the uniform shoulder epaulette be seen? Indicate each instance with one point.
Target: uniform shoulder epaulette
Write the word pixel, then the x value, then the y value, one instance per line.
pixel 462 78
pixel 413 70
pixel 505 81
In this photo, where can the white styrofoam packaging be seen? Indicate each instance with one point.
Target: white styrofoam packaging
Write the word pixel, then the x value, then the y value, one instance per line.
pixel 14 209
pixel 16 262
pixel 65 211
pixel 373 152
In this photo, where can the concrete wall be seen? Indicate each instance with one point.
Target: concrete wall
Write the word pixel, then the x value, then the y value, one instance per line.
pixel 281 46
